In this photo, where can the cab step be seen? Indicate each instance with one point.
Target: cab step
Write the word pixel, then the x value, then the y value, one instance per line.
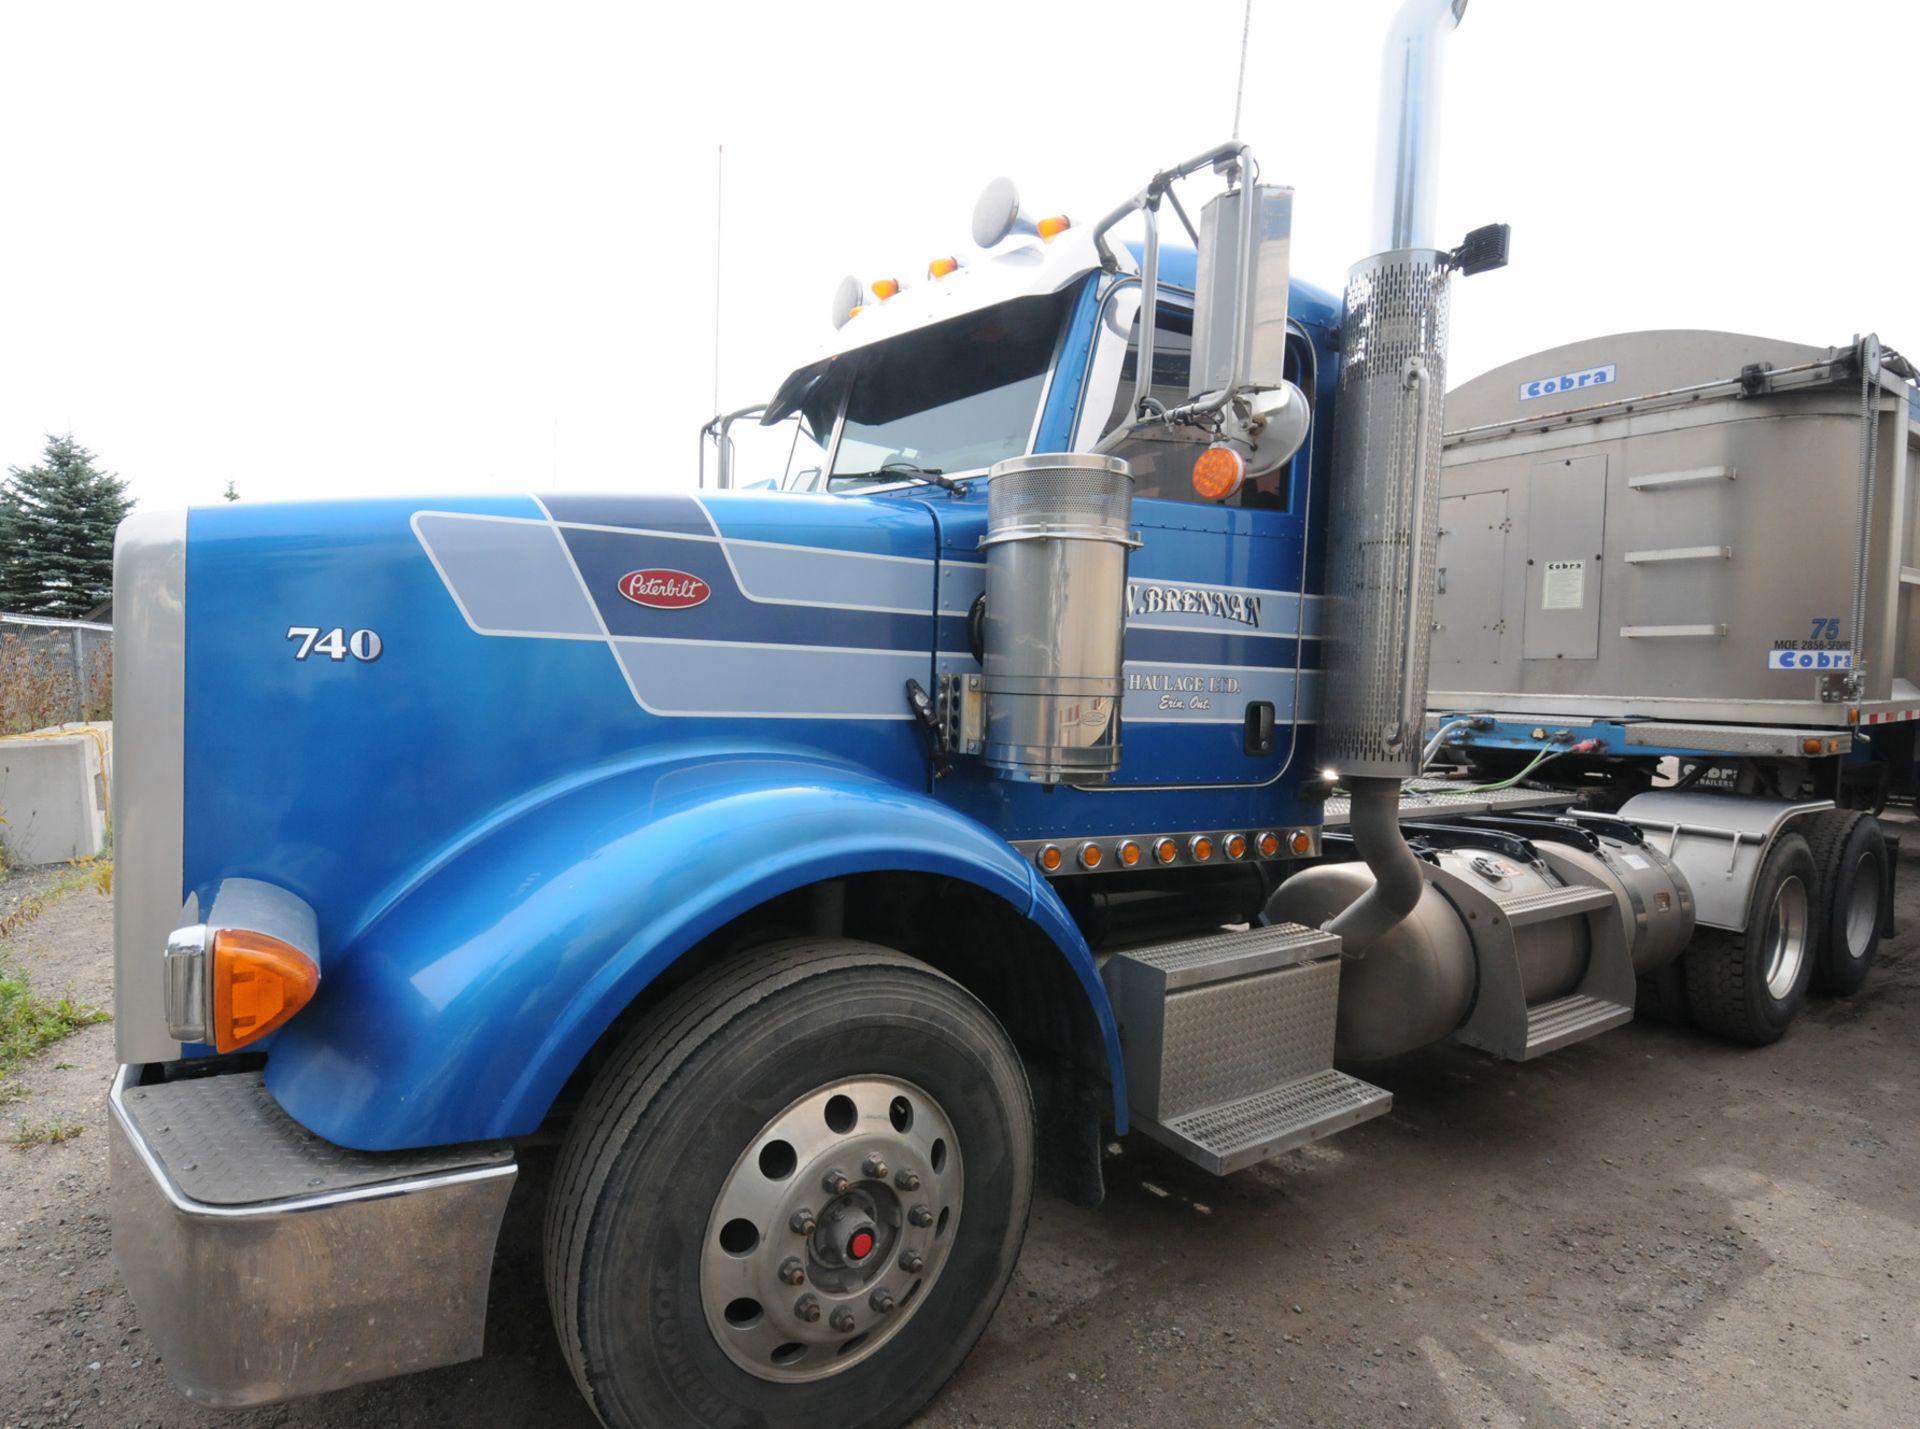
pixel 1238 1134
pixel 1504 926
pixel 1554 903
pixel 1228 1044
pixel 1552 1025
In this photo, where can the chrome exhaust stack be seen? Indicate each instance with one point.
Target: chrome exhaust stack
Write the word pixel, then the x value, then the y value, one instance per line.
pixel 1386 476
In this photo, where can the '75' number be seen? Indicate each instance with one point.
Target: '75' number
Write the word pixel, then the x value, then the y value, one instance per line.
pixel 335 644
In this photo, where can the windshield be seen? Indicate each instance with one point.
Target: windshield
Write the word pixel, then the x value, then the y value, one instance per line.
pixel 956 397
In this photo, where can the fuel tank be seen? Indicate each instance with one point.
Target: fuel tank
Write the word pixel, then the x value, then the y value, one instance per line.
pixel 1418 983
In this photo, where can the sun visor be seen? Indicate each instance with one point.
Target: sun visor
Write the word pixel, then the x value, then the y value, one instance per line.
pixel 1023 270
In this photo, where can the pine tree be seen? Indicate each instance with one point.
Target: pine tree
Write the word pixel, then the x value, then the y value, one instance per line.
pixel 56 532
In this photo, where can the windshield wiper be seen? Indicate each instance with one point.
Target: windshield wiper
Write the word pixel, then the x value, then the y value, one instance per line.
pixel 902 470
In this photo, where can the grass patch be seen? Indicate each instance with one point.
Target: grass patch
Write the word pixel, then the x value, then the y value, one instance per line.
pixel 43 1133
pixel 30 1024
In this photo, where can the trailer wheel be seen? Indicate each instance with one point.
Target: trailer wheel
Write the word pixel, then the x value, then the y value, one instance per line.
pixel 1748 986
pixel 793 1196
pixel 1854 870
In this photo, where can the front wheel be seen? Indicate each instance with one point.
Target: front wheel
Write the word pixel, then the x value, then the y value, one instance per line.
pixel 793 1196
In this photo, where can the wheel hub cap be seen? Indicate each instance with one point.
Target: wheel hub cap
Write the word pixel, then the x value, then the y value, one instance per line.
pixel 856 1189
pixel 1786 938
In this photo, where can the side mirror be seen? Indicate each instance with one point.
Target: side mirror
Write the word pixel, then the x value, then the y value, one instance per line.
pixel 1240 300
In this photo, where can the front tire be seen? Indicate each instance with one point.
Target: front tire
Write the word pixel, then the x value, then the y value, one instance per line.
pixel 793 1196
pixel 1851 855
pixel 1749 986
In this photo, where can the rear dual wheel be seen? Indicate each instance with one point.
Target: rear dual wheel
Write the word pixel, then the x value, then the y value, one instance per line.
pixel 1748 986
pixel 1851 855
pixel 793 1196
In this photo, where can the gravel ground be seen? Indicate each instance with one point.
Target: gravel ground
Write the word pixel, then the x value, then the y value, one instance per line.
pixel 1648 1228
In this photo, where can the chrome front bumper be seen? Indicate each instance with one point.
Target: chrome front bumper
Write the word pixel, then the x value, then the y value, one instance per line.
pixel 267 1263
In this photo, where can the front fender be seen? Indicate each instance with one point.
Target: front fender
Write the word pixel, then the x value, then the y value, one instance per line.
pixel 460 1011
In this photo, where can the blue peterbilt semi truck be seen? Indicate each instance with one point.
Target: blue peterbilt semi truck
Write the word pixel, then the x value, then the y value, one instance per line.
pixel 829 868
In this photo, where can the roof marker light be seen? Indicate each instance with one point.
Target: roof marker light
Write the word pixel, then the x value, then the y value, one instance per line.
pixel 1051 228
pixel 941 267
pixel 886 288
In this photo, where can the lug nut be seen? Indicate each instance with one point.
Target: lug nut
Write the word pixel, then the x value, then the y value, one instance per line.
pixel 792 1271
pixel 906 1180
pixel 841 1320
pixel 802 1223
pixel 920 1216
pixel 874 1169
pixel 912 1261
pixel 836 1182
pixel 807 1308
pixel 882 1300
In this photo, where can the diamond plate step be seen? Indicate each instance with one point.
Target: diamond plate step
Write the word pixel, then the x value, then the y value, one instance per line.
pixel 1237 1134
pixel 1552 1025
pixel 1554 903
pixel 224 1141
pixel 1195 962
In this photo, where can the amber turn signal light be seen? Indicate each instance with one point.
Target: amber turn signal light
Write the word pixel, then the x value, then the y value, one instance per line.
pixel 1218 472
pixel 258 983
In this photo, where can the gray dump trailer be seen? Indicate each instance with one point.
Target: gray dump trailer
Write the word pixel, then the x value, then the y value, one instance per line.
pixel 1676 581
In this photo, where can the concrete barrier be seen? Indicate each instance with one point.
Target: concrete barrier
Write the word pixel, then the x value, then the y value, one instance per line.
pixel 55 793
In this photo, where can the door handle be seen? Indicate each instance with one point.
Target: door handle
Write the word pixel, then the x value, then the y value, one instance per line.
pixel 1259 728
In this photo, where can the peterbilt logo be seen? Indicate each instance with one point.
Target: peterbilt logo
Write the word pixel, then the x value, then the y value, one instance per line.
pixel 663 589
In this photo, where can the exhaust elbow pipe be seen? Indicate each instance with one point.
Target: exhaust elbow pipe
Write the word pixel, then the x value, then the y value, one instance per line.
pixel 1397 879
pixel 1404 181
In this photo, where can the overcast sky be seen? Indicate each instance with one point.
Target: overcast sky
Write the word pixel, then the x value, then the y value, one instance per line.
pixel 333 249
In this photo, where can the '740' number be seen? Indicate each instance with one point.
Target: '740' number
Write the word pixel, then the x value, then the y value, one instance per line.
pixel 335 644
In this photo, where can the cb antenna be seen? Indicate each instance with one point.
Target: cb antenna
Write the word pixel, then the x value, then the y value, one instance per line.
pixel 1246 27
pixel 719 220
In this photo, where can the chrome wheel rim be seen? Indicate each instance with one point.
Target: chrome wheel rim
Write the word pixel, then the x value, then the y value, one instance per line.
pixel 1786 938
pixel 1863 907
pixel 830 1229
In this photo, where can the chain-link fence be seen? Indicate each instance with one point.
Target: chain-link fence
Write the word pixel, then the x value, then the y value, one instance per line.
pixel 53 672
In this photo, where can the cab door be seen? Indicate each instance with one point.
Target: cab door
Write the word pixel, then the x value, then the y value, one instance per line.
pixel 1222 643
